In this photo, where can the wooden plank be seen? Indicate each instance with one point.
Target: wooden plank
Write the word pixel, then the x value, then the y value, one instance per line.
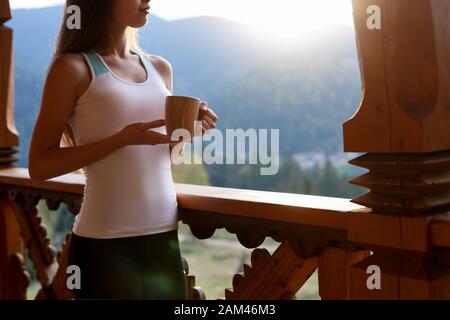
pixel 284 207
pixel 440 231
pixel 358 288
pixel 410 233
pixel 427 285
pixel 421 280
pixel 415 233
pixel 402 277
pixel 374 229
pixel 334 265
pixel 71 183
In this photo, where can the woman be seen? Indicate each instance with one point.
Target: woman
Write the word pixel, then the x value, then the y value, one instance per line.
pixel 105 98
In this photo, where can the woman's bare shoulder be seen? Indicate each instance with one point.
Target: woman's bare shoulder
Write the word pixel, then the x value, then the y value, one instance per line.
pixel 160 63
pixel 73 68
pixel 164 68
pixel 68 62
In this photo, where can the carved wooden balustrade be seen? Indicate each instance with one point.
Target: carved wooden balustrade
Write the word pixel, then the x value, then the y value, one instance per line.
pixel 401 226
pixel 328 234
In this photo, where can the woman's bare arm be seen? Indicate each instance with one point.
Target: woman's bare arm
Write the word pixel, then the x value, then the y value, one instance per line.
pixel 67 79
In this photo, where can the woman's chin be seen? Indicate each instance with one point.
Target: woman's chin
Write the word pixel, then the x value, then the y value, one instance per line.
pixel 139 24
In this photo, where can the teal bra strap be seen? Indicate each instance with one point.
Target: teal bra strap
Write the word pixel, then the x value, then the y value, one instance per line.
pixel 150 67
pixel 97 65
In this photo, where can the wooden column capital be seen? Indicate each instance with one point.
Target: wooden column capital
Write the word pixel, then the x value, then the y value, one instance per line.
pixel 405 67
pixel 5 11
pixel 403 126
pixel 403 120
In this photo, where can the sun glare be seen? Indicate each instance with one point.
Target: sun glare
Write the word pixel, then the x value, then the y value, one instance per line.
pixel 293 18
pixel 283 18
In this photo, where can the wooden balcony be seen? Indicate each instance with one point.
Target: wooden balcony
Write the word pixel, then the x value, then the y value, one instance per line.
pixel 401 226
pixel 334 236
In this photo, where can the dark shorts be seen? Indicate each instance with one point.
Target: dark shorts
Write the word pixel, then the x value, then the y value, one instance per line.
pixel 142 267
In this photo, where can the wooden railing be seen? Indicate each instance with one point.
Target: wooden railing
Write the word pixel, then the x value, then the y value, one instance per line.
pixel 400 229
pixel 332 235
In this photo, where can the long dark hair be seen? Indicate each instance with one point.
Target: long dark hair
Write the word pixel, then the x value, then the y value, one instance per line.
pixel 95 21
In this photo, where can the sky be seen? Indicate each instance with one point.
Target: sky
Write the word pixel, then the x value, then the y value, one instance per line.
pixel 280 17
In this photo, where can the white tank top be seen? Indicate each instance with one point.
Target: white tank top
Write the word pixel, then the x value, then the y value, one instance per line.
pixel 129 192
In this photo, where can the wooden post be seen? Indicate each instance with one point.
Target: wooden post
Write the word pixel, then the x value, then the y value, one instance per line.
pixel 334 266
pixel 13 278
pixel 403 126
pixel 9 137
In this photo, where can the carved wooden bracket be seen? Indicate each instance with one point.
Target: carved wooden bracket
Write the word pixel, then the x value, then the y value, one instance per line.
pixel 34 234
pixel 305 241
pixel 193 292
pixel 20 276
pixel 57 289
pixel 272 277
pixel 29 197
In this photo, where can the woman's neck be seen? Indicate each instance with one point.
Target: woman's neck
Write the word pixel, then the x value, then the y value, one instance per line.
pixel 117 44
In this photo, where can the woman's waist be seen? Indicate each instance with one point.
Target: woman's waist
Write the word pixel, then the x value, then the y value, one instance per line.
pixel 105 202
pixel 128 169
pixel 141 187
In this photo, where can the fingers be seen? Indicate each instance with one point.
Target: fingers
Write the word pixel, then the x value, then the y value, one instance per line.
pixel 173 144
pixel 208 116
pixel 205 129
pixel 203 111
pixel 209 113
pixel 163 138
pixel 203 105
pixel 155 123
pixel 209 122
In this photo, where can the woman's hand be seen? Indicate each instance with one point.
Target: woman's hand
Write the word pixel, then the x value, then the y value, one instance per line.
pixel 208 117
pixel 138 133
